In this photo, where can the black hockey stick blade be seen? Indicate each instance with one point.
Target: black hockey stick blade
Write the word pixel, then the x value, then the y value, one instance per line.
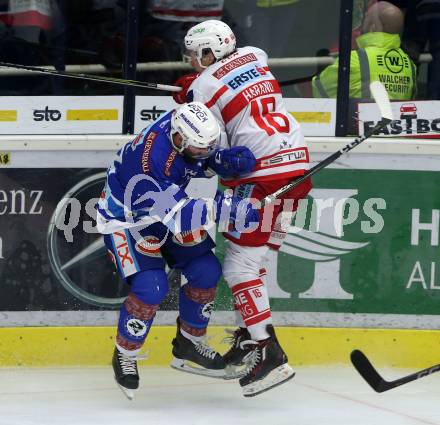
pixel 368 372
pixel 380 385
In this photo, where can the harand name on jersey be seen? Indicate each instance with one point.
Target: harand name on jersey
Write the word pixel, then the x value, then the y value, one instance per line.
pixel 259 89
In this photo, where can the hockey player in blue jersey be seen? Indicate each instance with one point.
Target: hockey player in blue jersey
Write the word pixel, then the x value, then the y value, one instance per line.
pixel 148 221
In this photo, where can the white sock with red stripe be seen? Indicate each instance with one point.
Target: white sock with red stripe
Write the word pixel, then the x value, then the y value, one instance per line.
pixel 252 301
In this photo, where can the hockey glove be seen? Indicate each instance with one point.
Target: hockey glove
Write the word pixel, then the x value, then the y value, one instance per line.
pixel 184 81
pixel 238 212
pixel 232 162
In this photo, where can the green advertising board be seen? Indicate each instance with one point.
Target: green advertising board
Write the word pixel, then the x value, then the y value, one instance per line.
pixel 373 249
pixel 362 251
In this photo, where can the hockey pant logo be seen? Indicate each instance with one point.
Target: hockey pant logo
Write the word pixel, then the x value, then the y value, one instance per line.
pixel 149 245
pixel 124 256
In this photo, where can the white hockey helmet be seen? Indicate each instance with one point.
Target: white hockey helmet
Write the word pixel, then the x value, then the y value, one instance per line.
pixel 213 35
pixel 197 126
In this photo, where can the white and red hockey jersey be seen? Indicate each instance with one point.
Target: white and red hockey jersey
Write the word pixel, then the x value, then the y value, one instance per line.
pixel 245 97
pixel 184 10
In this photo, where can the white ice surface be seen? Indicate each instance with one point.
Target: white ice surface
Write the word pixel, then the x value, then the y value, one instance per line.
pixel 316 396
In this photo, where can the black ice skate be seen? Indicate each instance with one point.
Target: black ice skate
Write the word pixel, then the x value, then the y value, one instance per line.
pixel 196 357
pixel 126 373
pixel 237 356
pixel 267 368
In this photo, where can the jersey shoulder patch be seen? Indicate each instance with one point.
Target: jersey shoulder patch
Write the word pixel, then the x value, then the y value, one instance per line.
pixel 169 163
pixel 165 163
pixel 150 139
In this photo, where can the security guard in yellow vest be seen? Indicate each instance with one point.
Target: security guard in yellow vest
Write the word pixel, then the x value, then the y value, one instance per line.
pixel 378 58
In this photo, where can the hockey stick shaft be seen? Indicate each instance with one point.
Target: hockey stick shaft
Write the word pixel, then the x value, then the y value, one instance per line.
pixel 120 81
pixel 326 162
pixel 380 385
pixel 80 76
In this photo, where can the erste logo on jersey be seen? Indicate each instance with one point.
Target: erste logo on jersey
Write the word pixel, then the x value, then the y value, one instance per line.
pixel 245 75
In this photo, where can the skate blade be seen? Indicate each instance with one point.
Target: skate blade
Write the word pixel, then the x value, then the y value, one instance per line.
pixel 276 377
pixel 129 393
pixel 185 366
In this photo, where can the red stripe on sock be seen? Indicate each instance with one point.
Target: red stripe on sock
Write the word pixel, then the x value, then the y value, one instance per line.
pixel 246 285
pixel 258 318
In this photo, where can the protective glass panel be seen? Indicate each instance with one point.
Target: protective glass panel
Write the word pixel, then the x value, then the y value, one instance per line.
pixel 76 36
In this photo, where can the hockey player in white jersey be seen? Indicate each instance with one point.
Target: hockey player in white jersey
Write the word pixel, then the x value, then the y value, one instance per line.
pixel 238 87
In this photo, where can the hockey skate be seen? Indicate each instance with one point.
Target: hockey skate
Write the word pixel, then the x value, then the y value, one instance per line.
pixel 237 356
pixel 196 357
pixel 126 372
pixel 268 366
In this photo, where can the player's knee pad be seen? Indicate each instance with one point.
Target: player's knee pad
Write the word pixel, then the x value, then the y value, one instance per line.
pixel 135 320
pixel 150 286
pixel 204 271
pixel 242 263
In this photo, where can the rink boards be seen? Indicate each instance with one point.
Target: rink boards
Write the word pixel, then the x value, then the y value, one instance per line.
pixel 331 290
pixel 75 346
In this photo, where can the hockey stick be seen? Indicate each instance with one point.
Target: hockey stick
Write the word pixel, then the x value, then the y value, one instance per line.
pixel 380 385
pixel 120 81
pixel 110 80
pixel 382 100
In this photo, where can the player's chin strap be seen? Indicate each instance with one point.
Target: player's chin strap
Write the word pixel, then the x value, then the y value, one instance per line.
pixel 382 100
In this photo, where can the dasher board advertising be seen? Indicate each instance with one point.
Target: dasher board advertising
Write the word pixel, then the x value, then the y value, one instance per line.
pixel 420 119
pixel 316 117
pixel 61 114
pixel 369 256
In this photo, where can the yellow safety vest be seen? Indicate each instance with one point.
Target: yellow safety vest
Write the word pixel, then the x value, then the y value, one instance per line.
pixel 379 58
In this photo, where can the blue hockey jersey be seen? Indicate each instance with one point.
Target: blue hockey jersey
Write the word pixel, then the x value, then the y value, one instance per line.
pixel 146 184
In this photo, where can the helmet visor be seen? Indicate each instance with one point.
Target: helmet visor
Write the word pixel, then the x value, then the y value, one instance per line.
pixel 187 54
pixel 191 56
pixel 197 152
